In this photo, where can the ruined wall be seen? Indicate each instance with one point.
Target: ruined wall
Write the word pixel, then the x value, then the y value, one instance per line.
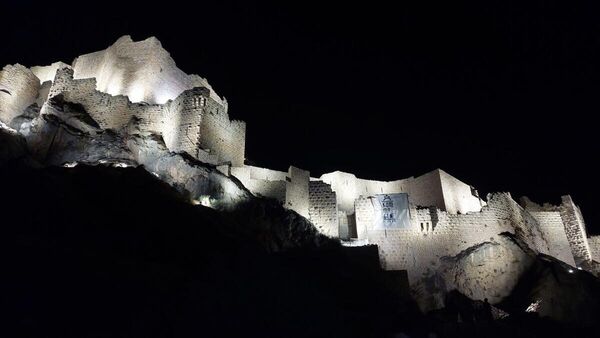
pixel 575 230
pixel 47 73
pixel 221 135
pixel 296 191
pixel 141 79
pixel 594 243
pixel 142 70
pixel 343 226
pixel 553 228
pixel 434 233
pixel 426 190
pixel 436 188
pixel 322 208
pixel 180 122
pixel 192 122
pixel 261 181
pixel 110 112
pixel 19 88
pixel 458 196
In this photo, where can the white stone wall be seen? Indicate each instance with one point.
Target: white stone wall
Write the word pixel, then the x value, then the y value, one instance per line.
pixel 18 90
pixel 426 190
pixel 142 71
pixel 434 233
pixel 323 211
pixel 110 83
pixel 343 225
pixel 47 73
pixel 575 230
pixel 296 192
pixel 192 122
pixel 458 196
pixel 221 135
pixel 140 79
pixel 554 231
pixel 261 181
pixel 594 243
pixel 436 188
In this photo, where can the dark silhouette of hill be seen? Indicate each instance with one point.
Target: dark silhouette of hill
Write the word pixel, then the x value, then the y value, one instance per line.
pixel 112 252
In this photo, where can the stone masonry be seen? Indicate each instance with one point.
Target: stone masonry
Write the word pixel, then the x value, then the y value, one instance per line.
pixel 137 85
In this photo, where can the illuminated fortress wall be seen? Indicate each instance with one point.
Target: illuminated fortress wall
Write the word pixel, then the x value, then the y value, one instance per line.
pixel 575 230
pixel 553 228
pixel 323 210
pixel 19 89
pixel 140 79
pixel 446 216
pixel 434 234
pixel 261 181
pixel 137 86
pixel 141 70
pixel 435 188
pixel 178 121
pixel 594 243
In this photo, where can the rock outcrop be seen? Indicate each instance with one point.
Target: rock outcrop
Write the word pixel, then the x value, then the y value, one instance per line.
pixel 62 133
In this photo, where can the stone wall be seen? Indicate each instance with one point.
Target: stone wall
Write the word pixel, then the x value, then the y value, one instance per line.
pixel 19 89
pixel 141 70
pixel 436 188
pixel 291 188
pixel 47 73
pixel 594 243
pixel 554 231
pixel 141 79
pixel 575 230
pixel 344 229
pixel 322 208
pixel 458 196
pixel 110 112
pixel 180 122
pixel 221 135
pixel 261 181
pixel 192 122
pixel 426 190
pixel 296 192
pixel 434 234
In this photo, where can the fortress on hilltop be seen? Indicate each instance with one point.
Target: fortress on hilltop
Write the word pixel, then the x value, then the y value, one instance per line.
pixel 414 221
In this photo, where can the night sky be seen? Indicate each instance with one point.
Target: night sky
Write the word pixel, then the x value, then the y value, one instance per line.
pixel 500 94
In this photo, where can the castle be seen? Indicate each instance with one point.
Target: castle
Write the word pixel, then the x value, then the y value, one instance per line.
pixel 413 221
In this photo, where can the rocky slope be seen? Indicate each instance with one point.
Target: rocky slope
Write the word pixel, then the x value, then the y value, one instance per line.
pixel 97 251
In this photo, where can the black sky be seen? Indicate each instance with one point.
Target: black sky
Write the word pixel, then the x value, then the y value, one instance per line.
pixel 501 94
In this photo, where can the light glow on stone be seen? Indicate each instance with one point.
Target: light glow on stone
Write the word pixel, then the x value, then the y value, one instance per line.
pixel 204 200
pixel 533 307
pixel 4 126
pixel 70 164
pixel 136 94
pixel 122 165
pixel 354 243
